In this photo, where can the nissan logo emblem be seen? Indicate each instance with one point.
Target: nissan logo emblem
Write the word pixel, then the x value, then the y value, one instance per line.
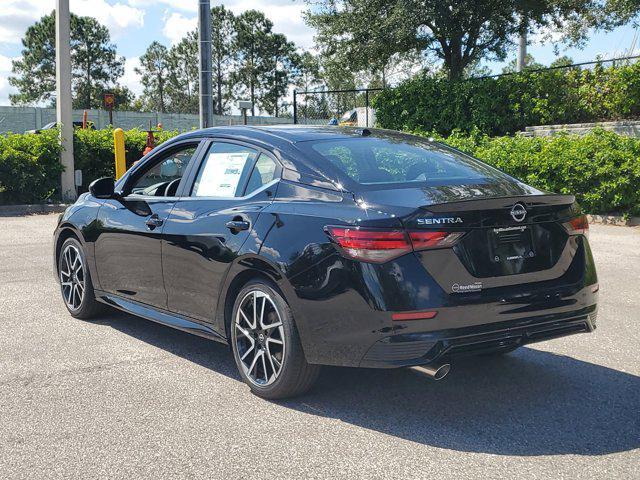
pixel 518 212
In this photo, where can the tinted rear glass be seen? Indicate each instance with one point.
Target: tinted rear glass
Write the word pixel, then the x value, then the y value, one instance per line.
pixel 375 161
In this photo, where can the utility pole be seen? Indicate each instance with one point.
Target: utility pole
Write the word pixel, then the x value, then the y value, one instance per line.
pixel 522 52
pixel 204 49
pixel 63 99
pixel 521 62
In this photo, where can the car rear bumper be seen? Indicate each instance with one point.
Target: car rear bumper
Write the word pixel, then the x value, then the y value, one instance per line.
pixel 347 319
pixel 424 348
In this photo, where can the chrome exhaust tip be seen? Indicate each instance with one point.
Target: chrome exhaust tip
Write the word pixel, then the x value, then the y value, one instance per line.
pixel 436 372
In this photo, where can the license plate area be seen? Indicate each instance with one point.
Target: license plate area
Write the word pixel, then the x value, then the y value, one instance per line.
pixel 511 245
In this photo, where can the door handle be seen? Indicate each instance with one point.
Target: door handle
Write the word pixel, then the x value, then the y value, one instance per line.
pixel 237 225
pixel 153 221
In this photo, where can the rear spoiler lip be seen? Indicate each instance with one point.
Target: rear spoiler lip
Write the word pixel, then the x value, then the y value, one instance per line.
pixel 496 203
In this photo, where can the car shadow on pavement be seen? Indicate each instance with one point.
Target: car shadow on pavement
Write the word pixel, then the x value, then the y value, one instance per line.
pixel 526 403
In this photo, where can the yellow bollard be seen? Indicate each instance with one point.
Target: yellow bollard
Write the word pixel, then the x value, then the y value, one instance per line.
pixel 118 144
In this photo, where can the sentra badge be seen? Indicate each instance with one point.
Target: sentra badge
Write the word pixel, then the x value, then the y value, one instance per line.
pixel 439 220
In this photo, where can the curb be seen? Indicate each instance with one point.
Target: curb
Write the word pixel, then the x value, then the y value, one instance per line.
pixel 20 210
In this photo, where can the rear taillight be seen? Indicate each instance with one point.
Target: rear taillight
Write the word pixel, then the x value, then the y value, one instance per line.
pixel 376 246
pixel 425 240
pixel 577 226
pixel 379 246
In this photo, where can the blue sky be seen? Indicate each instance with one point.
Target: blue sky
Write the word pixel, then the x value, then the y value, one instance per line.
pixel 134 24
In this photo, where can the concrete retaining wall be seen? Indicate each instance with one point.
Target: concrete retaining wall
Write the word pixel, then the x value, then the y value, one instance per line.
pixel 624 127
pixel 20 119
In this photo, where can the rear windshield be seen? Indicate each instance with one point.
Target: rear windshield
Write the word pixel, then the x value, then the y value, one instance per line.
pixel 379 161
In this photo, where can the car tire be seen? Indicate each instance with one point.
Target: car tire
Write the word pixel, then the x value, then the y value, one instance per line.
pixel 266 345
pixel 75 281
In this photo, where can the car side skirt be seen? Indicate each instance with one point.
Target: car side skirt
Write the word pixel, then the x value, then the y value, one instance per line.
pixel 160 316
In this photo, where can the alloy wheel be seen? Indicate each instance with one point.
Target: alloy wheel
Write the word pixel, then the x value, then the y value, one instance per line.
pixel 259 338
pixel 72 277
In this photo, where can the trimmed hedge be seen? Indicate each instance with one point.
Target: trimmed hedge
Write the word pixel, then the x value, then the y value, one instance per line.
pixel 602 169
pixel 507 104
pixel 30 168
pixel 93 150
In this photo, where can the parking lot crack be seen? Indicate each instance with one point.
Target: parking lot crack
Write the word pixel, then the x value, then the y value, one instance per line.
pixel 38 379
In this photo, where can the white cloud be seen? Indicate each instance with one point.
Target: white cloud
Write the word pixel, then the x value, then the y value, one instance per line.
pixel 5 88
pixel 286 15
pixel 184 5
pixel 17 15
pixel 287 18
pixel 4 92
pixel 118 17
pixel 5 64
pixel 130 78
pixel 122 15
pixel 176 26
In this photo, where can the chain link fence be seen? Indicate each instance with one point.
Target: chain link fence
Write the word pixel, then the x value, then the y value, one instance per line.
pixel 334 107
pixel 352 107
pixel 591 65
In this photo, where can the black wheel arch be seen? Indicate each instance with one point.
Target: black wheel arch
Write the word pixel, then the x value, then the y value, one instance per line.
pixel 243 270
pixel 68 230
pixel 63 232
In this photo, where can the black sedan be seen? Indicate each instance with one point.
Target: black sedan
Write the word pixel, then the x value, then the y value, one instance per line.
pixel 309 246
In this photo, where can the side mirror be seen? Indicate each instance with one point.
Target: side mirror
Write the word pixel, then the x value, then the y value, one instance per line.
pixel 102 187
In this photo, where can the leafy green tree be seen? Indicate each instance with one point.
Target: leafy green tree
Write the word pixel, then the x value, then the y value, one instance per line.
pixel 155 67
pixel 529 64
pixel 223 51
pixel 183 77
pixel 252 46
pixel 371 32
pixel 563 61
pixel 309 67
pixel 312 105
pixel 360 34
pixel 473 70
pixel 124 98
pixel 34 75
pixel 282 67
pixel 95 64
pixel 337 76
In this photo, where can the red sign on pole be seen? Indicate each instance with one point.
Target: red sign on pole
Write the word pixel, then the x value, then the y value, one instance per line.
pixel 109 104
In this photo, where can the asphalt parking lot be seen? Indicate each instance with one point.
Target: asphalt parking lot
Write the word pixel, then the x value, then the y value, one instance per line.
pixel 125 398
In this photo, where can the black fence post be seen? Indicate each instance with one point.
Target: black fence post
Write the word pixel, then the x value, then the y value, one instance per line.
pixel 366 107
pixel 295 107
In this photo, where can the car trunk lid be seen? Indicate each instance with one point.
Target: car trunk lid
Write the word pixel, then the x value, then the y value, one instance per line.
pixel 519 233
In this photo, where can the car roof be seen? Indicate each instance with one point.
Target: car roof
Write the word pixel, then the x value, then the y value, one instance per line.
pixel 280 133
pixel 284 138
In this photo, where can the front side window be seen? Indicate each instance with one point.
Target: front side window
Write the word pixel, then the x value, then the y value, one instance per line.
pixel 393 160
pixel 163 177
pixel 224 170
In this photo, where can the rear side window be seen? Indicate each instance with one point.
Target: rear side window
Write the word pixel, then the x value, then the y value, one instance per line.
pixel 224 170
pixel 371 161
pixel 263 173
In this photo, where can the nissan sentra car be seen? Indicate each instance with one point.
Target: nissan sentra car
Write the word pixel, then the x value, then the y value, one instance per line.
pixel 309 246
